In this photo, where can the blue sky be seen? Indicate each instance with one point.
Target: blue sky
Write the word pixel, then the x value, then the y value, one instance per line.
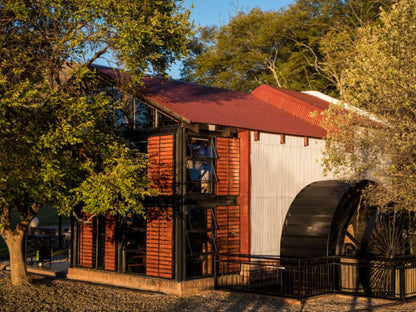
pixel 219 12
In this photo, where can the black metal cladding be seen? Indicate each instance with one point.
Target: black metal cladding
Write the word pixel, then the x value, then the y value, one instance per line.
pixel 316 218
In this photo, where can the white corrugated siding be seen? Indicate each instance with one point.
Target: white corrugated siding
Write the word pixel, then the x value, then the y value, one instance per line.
pixel 279 173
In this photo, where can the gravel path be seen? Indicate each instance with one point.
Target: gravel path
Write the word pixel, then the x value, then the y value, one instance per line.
pixel 50 294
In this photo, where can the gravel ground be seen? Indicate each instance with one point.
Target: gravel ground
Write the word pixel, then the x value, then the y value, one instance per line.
pixel 51 294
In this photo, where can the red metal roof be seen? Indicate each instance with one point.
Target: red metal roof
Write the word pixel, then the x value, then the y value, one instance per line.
pixel 296 103
pixel 202 104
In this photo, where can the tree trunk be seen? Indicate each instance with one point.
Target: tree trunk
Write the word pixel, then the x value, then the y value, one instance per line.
pixel 17 258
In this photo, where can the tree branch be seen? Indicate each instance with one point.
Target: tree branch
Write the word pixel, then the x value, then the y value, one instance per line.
pixel 5 223
pixel 97 55
pixel 84 221
pixel 26 216
pixel 271 65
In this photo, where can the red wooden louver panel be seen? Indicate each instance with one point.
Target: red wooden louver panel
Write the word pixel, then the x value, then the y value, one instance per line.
pixel 86 242
pixel 110 243
pixel 159 242
pixel 160 150
pixel 228 234
pixel 228 166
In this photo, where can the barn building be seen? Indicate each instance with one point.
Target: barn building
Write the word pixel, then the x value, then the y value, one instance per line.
pixel 238 174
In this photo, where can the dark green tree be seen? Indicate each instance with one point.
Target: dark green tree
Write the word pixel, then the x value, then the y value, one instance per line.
pixel 56 144
pixel 198 44
pixel 237 54
pixel 302 47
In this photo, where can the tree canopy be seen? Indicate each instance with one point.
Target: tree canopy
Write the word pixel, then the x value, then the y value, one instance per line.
pixel 380 79
pixel 56 142
pixel 303 47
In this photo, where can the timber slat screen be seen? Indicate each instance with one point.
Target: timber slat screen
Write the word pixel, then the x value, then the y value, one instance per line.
pixel 110 249
pixel 160 224
pixel 228 234
pixel 228 166
pixel 97 246
pixel 159 243
pixel 160 150
pixel 302 278
pixel 86 243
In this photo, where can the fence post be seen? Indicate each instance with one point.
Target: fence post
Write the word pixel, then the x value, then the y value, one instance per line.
pixel 402 282
pixel 215 270
pixel 299 287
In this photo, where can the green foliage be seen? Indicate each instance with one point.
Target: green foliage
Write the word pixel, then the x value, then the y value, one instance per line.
pixel 57 144
pixel 238 57
pixel 262 47
pixel 381 79
pixel 56 140
pixel 337 46
pixel 121 186
pixel 303 47
pixel 201 41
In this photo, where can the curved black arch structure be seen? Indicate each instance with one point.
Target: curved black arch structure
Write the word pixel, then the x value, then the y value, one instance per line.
pixel 317 221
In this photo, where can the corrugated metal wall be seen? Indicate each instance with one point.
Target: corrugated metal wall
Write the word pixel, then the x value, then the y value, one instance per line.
pixel 279 173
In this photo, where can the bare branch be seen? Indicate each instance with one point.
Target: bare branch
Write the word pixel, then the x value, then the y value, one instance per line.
pixel 97 55
pixel 271 65
pixel 84 221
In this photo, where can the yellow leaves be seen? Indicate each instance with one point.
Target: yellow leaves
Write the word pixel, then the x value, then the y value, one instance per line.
pixel 382 80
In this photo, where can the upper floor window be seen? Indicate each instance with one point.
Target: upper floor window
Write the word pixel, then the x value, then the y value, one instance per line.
pixel 200 164
pixel 130 113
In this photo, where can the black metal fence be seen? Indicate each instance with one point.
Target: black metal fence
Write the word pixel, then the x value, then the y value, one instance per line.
pixel 302 278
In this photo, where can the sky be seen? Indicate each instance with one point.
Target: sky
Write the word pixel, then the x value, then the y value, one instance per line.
pixel 219 12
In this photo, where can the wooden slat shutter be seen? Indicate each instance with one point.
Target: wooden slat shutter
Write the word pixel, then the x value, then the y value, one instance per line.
pixel 159 242
pixel 228 166
pixel 161 160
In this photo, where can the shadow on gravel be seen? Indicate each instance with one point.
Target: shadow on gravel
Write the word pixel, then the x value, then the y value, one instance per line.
pixel 369 308
pixel 45 281
pixel 385 306
pixel 237 304
pixel 250 302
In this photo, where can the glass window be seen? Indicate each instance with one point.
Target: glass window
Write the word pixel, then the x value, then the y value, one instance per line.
pixel 200 241
pixel 164 120
pixel 201 156
pixel 129 113
pixel 134 243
